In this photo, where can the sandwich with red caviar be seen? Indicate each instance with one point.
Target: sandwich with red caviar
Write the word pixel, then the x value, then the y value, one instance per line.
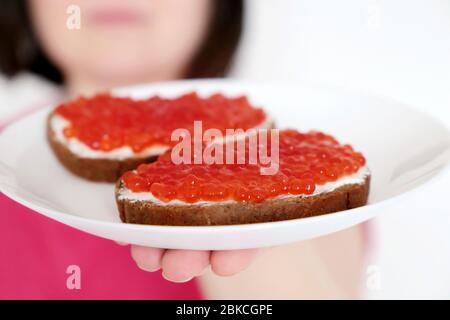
pixel 102 137
pixel 316 175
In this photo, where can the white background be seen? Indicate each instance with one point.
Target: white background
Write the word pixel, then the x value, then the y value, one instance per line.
pixel 393 48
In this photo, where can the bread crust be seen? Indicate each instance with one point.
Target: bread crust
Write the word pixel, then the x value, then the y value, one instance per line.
pixel 99 170
pixel 145 212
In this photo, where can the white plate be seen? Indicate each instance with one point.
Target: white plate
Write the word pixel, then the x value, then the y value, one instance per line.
pixel 405 150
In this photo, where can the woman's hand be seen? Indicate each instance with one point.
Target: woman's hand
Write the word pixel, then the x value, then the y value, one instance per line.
pixel 183 265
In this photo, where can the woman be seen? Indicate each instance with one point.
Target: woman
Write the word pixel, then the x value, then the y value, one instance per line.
pixel 120 43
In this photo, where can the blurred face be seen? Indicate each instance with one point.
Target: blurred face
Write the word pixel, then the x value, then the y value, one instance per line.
pixel 121 41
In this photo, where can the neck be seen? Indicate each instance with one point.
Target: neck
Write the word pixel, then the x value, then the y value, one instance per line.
pixel 76 87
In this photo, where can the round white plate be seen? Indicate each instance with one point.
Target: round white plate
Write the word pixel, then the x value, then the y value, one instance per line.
pixel 406 151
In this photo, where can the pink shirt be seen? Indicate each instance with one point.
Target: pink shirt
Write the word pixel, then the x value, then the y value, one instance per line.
pixel 36 253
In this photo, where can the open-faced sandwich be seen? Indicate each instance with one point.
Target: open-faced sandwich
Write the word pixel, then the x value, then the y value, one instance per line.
pixel 102 137
pixel 315 175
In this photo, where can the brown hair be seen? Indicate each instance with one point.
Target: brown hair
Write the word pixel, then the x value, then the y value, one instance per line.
pixel 20 50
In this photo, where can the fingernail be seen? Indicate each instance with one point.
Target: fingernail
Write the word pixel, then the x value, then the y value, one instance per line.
pixel 143 268
pixel 176 281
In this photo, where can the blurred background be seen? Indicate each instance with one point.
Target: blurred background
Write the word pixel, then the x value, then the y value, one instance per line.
pixel 398 49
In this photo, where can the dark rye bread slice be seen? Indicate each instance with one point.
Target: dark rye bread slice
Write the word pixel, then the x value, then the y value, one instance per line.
pixel 99 170
pixel 146 212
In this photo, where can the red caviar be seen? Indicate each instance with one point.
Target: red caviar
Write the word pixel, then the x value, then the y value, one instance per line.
pixel 105 122
pixel 306 160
